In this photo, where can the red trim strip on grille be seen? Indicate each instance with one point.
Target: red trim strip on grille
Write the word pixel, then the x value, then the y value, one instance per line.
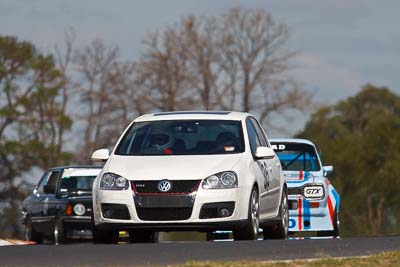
pixel 157 194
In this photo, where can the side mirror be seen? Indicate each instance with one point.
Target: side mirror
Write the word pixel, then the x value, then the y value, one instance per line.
pixel 49 189
pixel 35 191
pixel 327 169
pixel 264 152
pixel 100 155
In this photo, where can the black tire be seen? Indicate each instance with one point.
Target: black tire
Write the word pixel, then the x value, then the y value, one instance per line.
pixel 104 236
pixel 210 236
pixel 143 236
pixel 59 232
pixel 336 223
pixel 335 232
pixel 250 231
pixel 30 234
pixel 279 230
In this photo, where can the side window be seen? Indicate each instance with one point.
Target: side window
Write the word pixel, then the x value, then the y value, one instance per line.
pixel 50 179
pixel 253 139
pixel 260 132
pixel 43 182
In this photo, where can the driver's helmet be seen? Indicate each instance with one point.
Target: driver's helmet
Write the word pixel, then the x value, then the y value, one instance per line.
pixel 161 140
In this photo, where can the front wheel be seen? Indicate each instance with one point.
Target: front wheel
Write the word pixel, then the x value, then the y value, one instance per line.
pixel 250 231
pixel 30 234
pixel 59 232
pixel 104 236
pixel 279 230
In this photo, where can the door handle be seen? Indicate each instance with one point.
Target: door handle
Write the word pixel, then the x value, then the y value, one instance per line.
pixel 270 169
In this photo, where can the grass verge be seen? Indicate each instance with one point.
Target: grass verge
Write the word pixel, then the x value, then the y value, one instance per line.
pixel 387 259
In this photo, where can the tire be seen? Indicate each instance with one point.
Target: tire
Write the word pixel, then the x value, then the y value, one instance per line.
pixel 279 230
pixel 143 237
pixel 336 223
pixel 104 236
pixel 59 232
pixel 30 234
pixel 210 236
pixel 250 231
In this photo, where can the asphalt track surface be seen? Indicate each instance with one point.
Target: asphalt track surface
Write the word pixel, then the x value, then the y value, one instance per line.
pixel 181 252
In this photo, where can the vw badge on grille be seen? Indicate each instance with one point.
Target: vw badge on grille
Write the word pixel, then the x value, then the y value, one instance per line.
pixel 164 186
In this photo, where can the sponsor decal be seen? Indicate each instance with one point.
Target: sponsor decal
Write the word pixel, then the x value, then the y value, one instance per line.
pixel 278 147
pixel 313 191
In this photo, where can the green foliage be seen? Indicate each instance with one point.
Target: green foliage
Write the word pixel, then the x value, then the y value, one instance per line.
pixel 360 137
pixel 32 122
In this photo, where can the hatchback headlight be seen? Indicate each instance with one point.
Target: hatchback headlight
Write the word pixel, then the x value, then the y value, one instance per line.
pixel 112 181
pixel 221 180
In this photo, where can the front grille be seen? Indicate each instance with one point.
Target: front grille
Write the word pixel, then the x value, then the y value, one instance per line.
pixel 178 187
pixel 115 211
pixel 164 214
pixel 295 191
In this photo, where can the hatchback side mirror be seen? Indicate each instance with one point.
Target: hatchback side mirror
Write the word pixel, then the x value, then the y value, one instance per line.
pixel 327 169
pixel 100 155
pixel 264 152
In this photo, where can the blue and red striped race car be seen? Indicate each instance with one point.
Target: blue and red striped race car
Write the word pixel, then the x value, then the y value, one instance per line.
pixel 313 201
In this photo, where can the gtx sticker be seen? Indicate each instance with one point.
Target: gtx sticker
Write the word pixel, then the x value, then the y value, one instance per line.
pixel 313 192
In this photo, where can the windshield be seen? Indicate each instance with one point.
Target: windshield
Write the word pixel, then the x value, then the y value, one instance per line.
pixel 297 157
pixel 76 184
pixel 182 137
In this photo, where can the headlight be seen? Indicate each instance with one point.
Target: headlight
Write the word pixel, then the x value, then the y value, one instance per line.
pixel 111 181
pixel 314 191
pixel 221 180
pixel 79 209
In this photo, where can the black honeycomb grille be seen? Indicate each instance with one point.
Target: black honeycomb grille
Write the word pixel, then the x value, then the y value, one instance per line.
pixel 178 187
pixel 164 214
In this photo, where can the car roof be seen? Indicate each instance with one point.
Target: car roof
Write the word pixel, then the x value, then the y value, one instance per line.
pixel 194 115
pixel 291 140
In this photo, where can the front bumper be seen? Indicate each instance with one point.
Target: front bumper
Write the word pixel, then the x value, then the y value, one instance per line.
pixel 77 222
pixel 195 201
pixel 308 215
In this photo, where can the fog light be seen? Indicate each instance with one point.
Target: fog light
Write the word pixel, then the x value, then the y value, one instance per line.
pixel 224 212
pixel 107 213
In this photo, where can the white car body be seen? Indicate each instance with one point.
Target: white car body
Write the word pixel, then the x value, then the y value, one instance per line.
pixel 307 212
pixel 262 173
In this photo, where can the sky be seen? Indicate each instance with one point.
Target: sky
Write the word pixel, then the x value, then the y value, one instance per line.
pixel 342 44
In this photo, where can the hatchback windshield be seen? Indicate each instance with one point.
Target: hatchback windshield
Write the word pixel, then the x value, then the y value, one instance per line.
pixel 183 137
pixel 76 184
pixel 297 157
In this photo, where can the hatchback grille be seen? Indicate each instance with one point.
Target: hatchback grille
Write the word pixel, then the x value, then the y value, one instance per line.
pixel 164 214
pixel 177 187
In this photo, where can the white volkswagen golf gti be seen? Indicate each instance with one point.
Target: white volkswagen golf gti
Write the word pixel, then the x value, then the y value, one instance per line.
pixel 193 170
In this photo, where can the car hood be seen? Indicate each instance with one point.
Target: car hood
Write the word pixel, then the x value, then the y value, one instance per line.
pixel 170 167
pixel 78 198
